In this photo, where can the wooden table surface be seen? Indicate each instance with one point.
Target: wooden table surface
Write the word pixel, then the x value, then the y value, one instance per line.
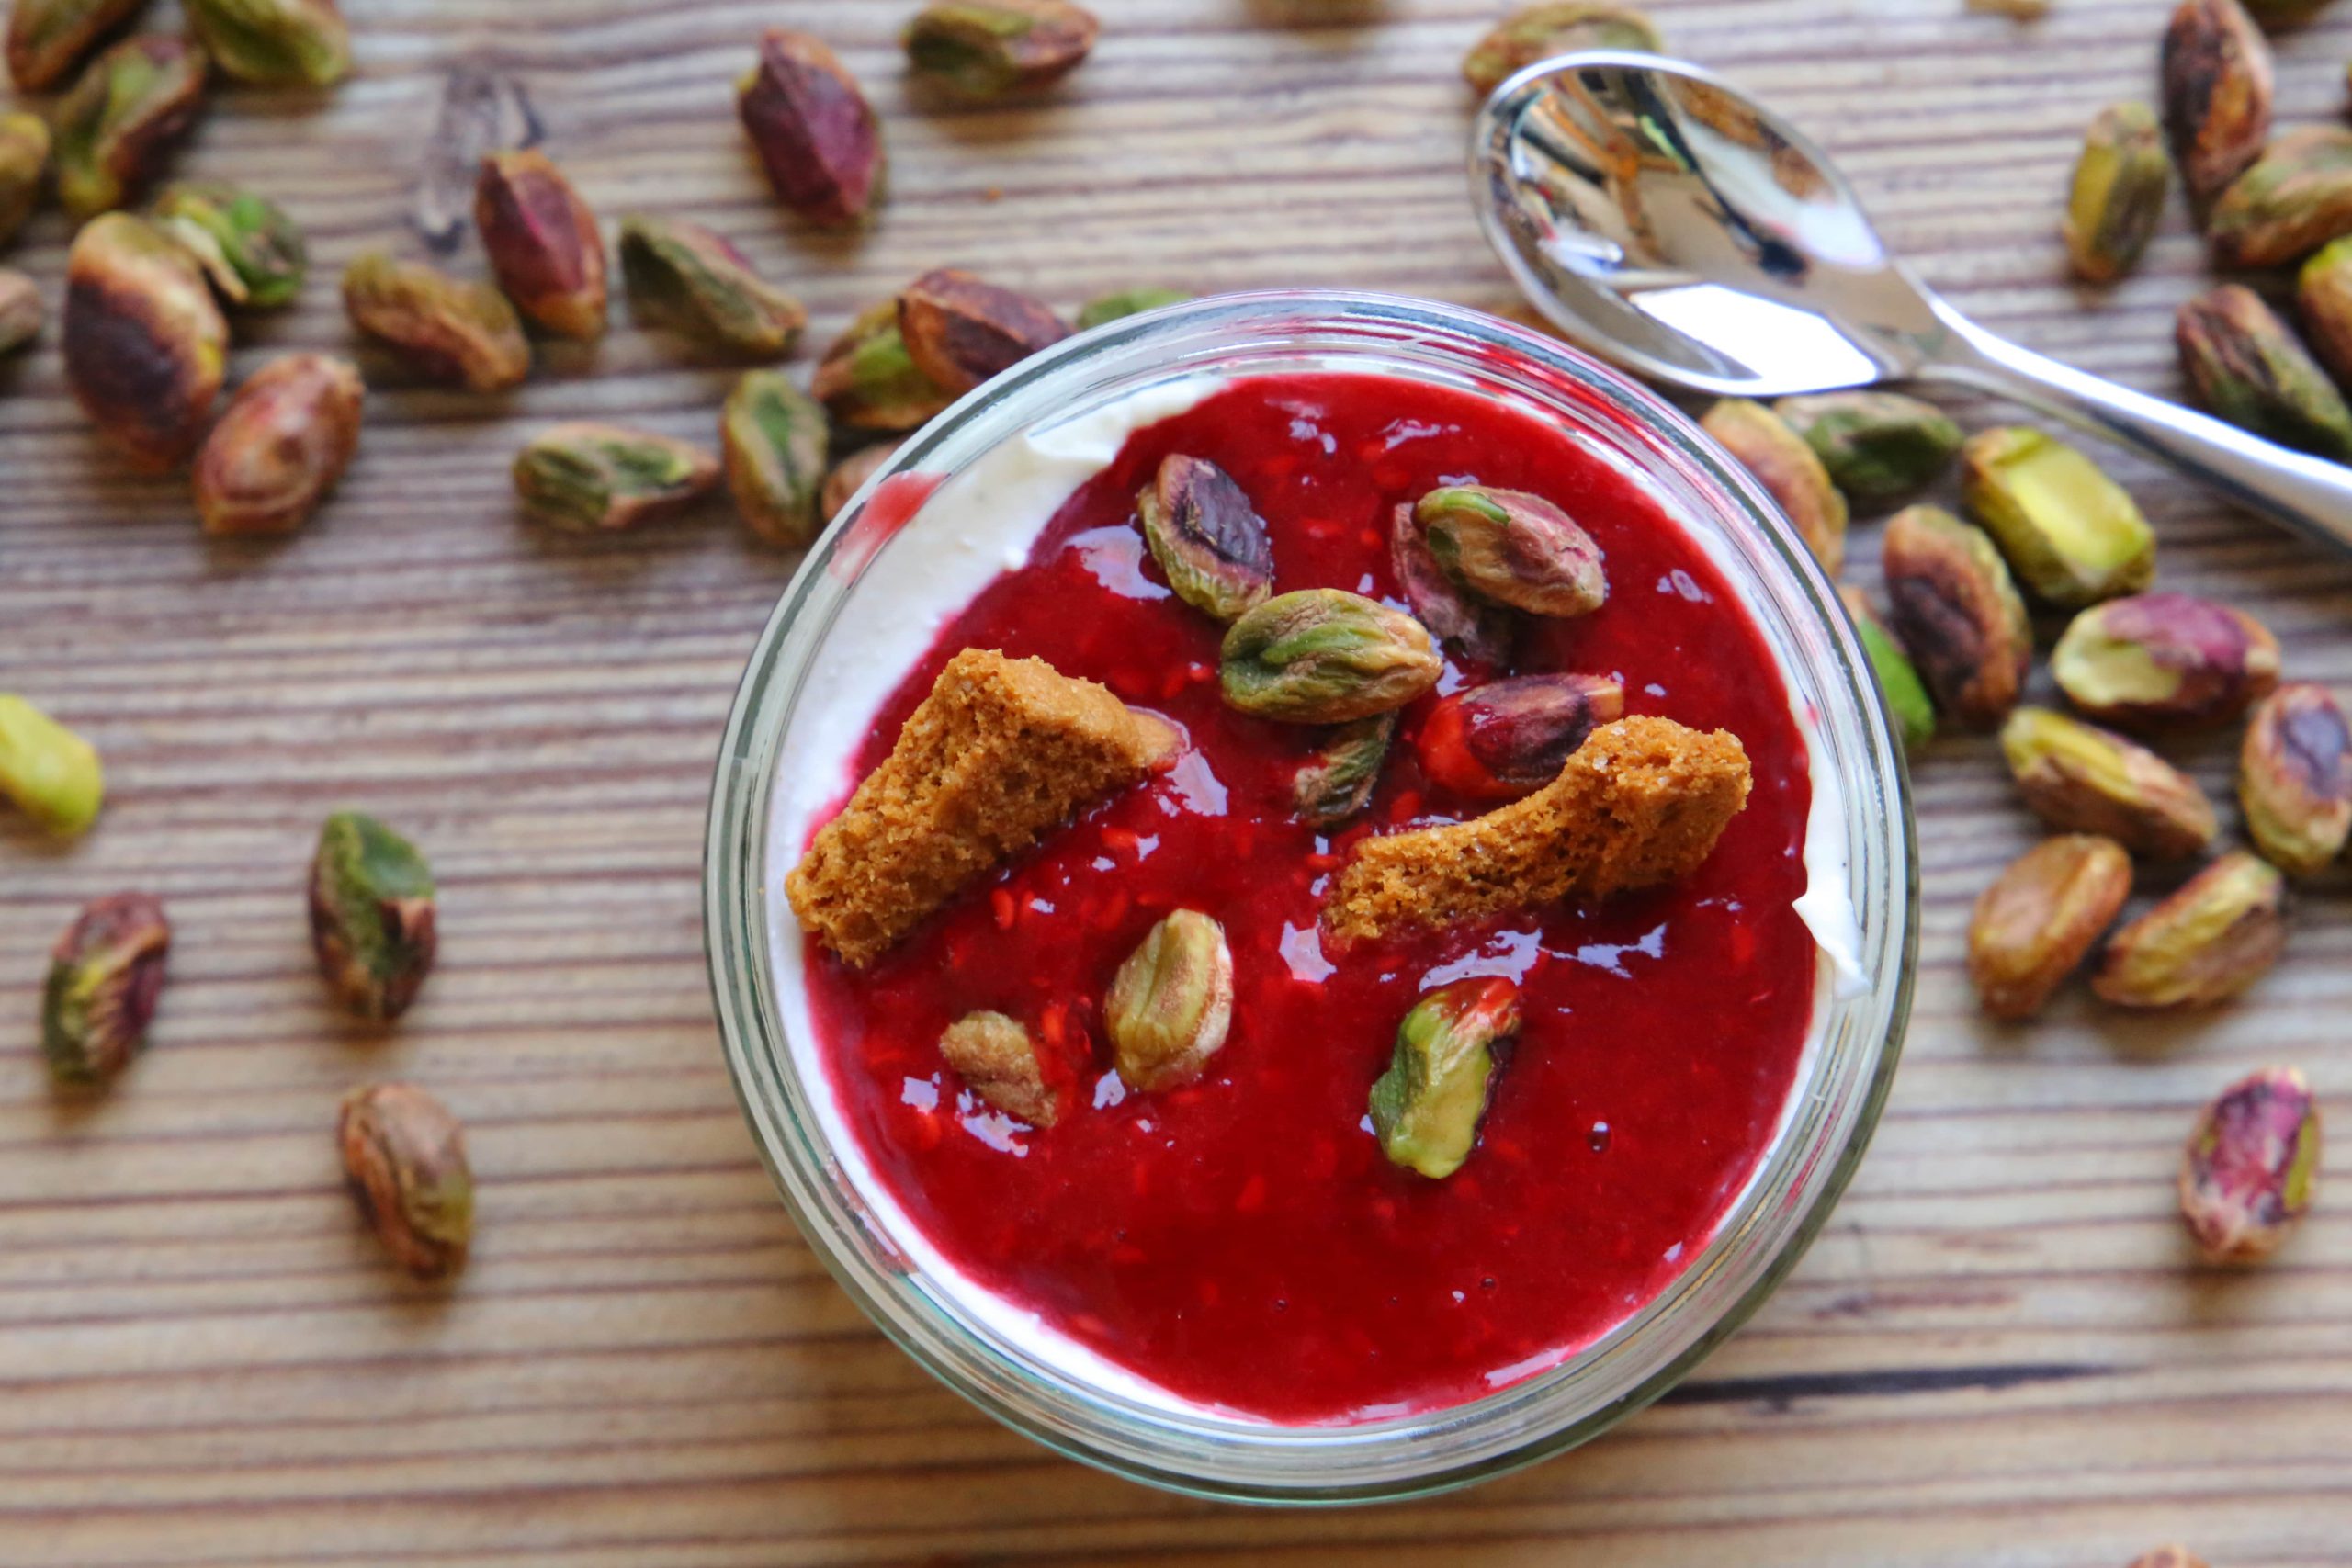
pixel 1999 1352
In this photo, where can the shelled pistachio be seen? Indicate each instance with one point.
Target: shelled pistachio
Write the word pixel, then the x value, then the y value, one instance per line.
pixel 2073 536
pixel 1785 464
pixel 772 438
pixel 2251 1168
pixel 252 252
pixel 868 380
pixel 2164 660
pixel 2118 192
pixel 1878 446
pixel 2216 75
pixel 146 349
pixel 961 331
pixel 124 114
pixel 2216 935
pixel 374 925
pixel 1514 549
pixel 543 243
pixel 1957 614
pixel 2082 778
pixel 459 334
pixel 2041 919
pixel 1325 656
pixel 1426 1108
pixel 275 43
pixel 695 282
pixel 47 771
pixel 985 50
pixel 2245 367
pixel 2295 779
pixel 1209 541
pixel 24 168
pixel 588 477
pixel 105 975
pixel 816 136
pixel 281 445
pixel 405 1156
pixel 1539 31
pixel 1169 1007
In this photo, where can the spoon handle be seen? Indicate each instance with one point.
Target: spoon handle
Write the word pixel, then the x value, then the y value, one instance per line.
pixel 2310 495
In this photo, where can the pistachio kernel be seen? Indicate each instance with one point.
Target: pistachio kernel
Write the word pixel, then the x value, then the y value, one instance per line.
pixel 1511 738
pixel 772 439
pixel 1336 781
pixel 2041 919
pixel 372 918
pixel 997 1061
pixel 693 281
pixel 1878 446
pixel 21 311
pixel 1539 31
pixel 1478 630
pixel 2246 368
pixel 2295 198
pixel 248 247
pixel 105 978
pixel 405 1156
pixel 2118 193
pixel 24 165
pixel 47 772
pixel 2073 536
pixel 1325 656
pixel 275 43
pixel 588 477
pixel 2324 301
pixel 542 242
pixel 2082 779
pixel 1427 1106
pixel 47 39
pixel 2295 779
pixel 2212 939
pixel 281 445
pixel 1124 303
pixel 2251 1168
pixel 458 333
pixel 961 331
pixel 145 347
pixel 1898 679
pixel 1957 612
pixel 868 380
pixel 2215 73
pixel 2164 660
pixel 1171 1004
pixel 1209 542
pixel 1513 549
pixel 125 113
pixel 816 136
pixel 984 50
pixel 846 478
pixel 1790 471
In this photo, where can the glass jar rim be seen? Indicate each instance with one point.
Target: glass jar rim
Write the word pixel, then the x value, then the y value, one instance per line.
pixel 1756 1241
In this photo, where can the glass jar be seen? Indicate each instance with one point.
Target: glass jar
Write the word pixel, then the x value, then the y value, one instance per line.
pixel 1861 814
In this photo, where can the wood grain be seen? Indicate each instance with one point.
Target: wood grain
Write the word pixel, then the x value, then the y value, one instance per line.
pixel 1998 1355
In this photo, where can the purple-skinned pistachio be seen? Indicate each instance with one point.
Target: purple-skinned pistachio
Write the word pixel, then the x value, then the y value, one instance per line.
pixel 1209 541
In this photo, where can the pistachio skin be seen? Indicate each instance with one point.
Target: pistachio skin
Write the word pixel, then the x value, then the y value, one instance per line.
pixel 2220 932
pixel 868 380
pixel 1958 613
pixel 47 39
pixel 2295 779
pixel 1426 1108
pixel 282 444
pixel 2246 368
pixel 1170 1005
pixel 462 335
pixel 47 772
pixel 1325 656
pixel 2041 919
pixel 817 137
pixel 998 1062
pixel 251 252
pixel 1513 549
pixel 961 331
pixel 404 1157
pixel 1475 628
pixel 114 128
pixel 772 438
pixel 275 43
pixel 695 282
pixel 2251 1167
pixel 2165 661
pixel 105 975
pixel 543 243
pixel 2295 198
pixel 1878 446
pixel 585 476
pixel 2324 301
pixel 1210 543
pixel 2118 193
pixel 146 349
pixel 987 50
pixel 373 923
pixel 1511 738
pixel 2216 78
pixel 2082 779
pixel 1126 302
pixel 1537 32
pixel 1337 782
pixel 1792 473
pixel 24 165
pixel 1898 679
pixel 21 311
pixel 2072 535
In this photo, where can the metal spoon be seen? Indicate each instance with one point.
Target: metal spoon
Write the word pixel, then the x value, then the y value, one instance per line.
pixel 1667 222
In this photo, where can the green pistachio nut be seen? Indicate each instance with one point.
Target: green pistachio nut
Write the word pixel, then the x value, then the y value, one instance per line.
pixel 1898 679
pixel 2296 197
pixel 251 250
pixel 983 50
pixel 2212 939
pixel 543 243
pixel 21 313
pixel 1208 540
pixel 24 165
pixel 372 917
pixel 587 477
pixel 1171 1004
pixel 123 115
pixel 1513 549
pixel 47 772
pixel 1785 464
pixel 2081 779
pixel 692 281
pixel 464 334
pixel 997 1061
pixel 1958 613
pixel 2245 367
pixel 2073 536
pixel 1480 631
pixel 405 1156
pixel 2118 192
pixel 1325 656
pixel 2215 71
pixel 2324 301
pixel 1427 1106
pixel 47 39
pixel 1537 32
pixel 276 43
pixel 1337 782
pixel 2165 661
pixel 105 978
pixel 146 348
pixel 1878 446
pixel 1126 302
pixel 868 380
pixel 2251 1167
pixel 2295 779
pixel 772 438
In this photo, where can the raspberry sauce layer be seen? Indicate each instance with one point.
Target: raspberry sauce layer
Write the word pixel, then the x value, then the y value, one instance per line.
pixel 1242 1242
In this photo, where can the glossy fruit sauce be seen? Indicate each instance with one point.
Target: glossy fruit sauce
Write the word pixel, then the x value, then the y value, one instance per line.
pixel 1242 1242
